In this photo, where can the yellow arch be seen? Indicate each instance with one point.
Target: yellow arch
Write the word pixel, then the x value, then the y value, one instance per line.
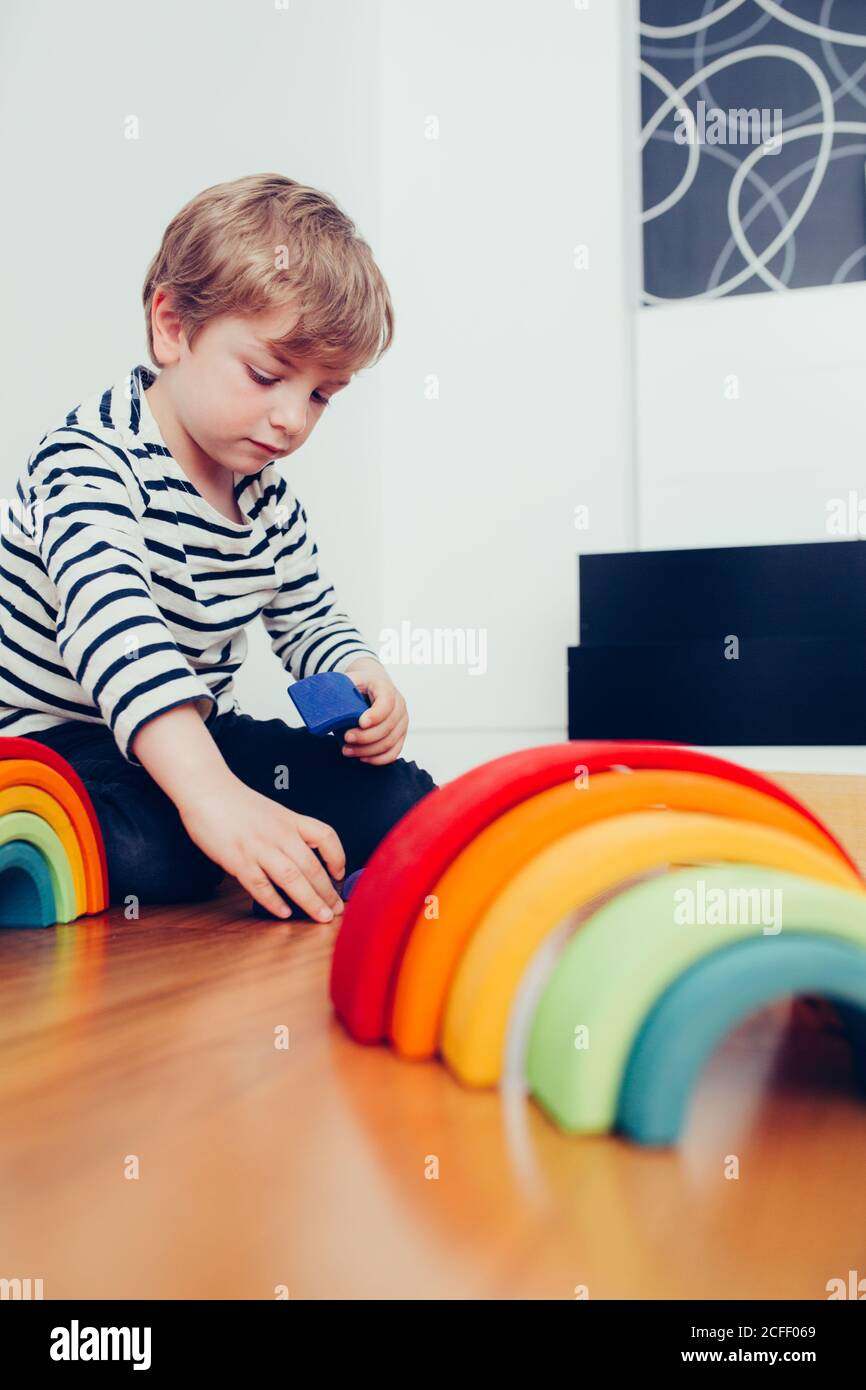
pixel 475 877
pixel 31 772
pixel 570 873
pixel 41 803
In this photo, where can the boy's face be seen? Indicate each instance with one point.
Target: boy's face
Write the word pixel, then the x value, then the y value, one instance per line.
pixel 237 402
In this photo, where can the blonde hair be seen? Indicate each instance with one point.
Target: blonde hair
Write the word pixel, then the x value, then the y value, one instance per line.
pixel 266 240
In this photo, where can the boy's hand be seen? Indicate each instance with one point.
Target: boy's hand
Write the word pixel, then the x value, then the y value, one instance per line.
pixel 382 728
pixel 263 843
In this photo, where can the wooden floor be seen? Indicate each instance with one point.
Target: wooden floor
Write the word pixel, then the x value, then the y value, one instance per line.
pixel 259 1167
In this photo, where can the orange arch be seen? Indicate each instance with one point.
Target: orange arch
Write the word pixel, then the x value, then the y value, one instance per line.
pixel 20 773
pixel 474 878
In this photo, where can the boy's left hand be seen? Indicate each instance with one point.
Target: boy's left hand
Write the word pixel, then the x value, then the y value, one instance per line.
pixel 382 728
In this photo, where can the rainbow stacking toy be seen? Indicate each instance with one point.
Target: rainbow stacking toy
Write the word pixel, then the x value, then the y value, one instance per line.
pixel 586 846
pixel 52 859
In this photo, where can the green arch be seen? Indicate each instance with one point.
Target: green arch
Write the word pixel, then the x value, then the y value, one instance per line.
pixel 709 1000
pixel 24 825
pixel 619 962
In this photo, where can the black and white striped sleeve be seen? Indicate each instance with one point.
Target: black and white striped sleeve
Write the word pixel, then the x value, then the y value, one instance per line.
pixel 308 629
pixel 110 631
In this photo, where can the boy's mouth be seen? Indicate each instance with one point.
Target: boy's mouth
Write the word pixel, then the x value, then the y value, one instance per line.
pixel 273 449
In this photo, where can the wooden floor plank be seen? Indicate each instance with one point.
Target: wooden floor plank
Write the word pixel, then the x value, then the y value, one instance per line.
pixel 306 1167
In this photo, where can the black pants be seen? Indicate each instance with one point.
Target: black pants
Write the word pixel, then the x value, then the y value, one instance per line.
pixel 148 850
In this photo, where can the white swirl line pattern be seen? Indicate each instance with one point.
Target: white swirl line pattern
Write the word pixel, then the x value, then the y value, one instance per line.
pixel 694 149
pixel 800 133
pixel 847 80
pixel 756 264
pixel 769 198
pixel 679 31
pixel 808 26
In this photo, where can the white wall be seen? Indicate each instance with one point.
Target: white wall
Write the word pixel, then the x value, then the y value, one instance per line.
pixel 448 513
pixel 533 156
pixel 750 415
pixel 455 512
pixel 220 89
pixel 750 423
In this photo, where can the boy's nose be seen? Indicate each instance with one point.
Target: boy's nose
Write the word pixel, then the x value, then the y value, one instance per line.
pixel 289 423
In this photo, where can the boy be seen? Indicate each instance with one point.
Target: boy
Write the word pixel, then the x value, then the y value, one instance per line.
pixel 154 526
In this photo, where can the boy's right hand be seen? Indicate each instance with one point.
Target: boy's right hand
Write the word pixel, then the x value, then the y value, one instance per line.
pixel 263 843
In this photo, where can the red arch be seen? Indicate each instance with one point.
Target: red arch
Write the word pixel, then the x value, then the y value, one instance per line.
pixel 41 753
pixel 422 844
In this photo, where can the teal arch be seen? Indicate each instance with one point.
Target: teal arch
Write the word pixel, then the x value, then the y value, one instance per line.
pixel 26 895
pixel 25 825
pixel 710 999
pixel 620 962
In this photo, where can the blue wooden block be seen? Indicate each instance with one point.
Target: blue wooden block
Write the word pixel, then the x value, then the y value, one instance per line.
pixel 350 885
pixel 329 702
pixel 345 890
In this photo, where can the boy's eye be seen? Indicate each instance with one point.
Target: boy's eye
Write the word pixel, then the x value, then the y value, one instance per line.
pixel 272 381
pixel 262 380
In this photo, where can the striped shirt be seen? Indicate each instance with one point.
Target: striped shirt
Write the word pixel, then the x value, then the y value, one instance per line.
pixel 124 592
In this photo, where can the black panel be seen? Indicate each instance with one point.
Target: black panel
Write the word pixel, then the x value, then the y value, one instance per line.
pixel 813 588
pixel 779 691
